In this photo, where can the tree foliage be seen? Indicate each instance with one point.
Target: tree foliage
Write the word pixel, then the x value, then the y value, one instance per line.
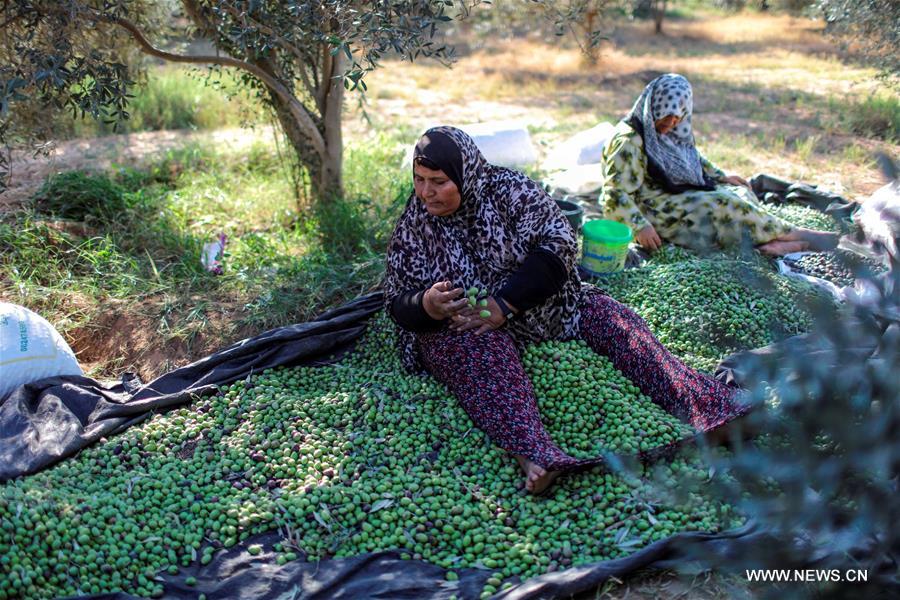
pixel 871 27
pixel 821 484
pixel 299 57
pixel 585 22
pixel 655 9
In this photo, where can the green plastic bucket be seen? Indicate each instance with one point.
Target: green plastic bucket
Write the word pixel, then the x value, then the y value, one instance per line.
pixel 605 246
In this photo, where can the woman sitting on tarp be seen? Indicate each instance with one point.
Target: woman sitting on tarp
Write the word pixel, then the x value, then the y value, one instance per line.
pixel 472 224
pixel 657 183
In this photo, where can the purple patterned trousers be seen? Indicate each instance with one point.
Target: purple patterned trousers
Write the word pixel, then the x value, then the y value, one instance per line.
pixel 486 375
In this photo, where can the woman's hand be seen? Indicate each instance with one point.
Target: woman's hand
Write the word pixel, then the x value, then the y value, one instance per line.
pixel 470 318
pixel 648 238
pixel 440 300
pixel 736 180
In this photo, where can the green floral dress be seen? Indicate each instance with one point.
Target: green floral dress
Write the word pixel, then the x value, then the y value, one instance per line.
pixel 696 219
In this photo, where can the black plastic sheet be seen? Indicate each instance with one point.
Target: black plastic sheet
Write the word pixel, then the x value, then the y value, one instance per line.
pixel 770 188
pixel 384 575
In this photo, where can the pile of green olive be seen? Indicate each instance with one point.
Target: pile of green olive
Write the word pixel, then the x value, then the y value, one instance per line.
pixel 703 309
pixel 802 216
pixel 358 456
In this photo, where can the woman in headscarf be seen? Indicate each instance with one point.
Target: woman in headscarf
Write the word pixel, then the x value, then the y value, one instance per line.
pixel 472 224
pixel 657 183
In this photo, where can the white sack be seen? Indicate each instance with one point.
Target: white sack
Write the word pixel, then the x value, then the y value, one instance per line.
pixel 836 292
pixel 582 180
pixel 503 143
pixel 30 349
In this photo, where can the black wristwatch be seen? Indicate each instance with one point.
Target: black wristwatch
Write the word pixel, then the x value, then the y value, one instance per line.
pixel 504 309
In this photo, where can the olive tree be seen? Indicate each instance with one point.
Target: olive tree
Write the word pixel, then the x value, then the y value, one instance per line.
pixel 299 58
pixel 583 20
pixel 651 8
pixel 871 26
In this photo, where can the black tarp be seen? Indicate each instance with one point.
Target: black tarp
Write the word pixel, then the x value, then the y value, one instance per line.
pixel 384 575
pixel 775 190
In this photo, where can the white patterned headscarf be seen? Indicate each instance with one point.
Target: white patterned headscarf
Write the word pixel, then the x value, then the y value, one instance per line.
pixel 673 153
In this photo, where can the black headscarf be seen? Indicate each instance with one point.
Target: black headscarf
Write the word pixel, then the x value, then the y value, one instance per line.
pixel 436 151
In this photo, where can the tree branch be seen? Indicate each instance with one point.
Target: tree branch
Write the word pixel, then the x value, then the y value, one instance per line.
pixel 276 86
pixel 301 58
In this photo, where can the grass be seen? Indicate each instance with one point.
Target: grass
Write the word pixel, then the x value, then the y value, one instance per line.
pixel 175 98
pixel 877 115
pixel 283 263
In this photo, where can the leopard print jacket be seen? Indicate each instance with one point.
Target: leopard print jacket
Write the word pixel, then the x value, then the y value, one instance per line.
pixel 503 217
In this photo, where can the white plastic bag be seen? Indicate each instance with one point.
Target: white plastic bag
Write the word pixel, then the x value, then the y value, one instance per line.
pixel 583 148
pixel 836 292
pixel 507 144
pixel 503 143
pixel 582 180
pixel 30 349
pixel 213 254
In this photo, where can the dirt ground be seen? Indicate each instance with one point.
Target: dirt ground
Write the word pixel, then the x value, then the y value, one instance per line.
pixel 128 337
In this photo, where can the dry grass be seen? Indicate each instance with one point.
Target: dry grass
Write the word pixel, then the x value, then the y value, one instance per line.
pixel 771 93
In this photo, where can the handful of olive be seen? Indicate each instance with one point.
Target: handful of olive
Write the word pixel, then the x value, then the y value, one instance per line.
pixel 478 297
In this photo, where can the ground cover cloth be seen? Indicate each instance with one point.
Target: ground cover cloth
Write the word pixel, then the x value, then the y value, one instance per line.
pixel 773 189
pixel 384 575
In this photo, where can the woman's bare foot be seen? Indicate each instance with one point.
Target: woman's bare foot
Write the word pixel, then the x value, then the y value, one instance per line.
pixel 780 248
pixel 537 479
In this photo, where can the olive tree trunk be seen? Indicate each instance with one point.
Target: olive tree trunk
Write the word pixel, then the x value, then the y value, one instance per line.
pixel 310 119
pixel 659 13
pixel 323 164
